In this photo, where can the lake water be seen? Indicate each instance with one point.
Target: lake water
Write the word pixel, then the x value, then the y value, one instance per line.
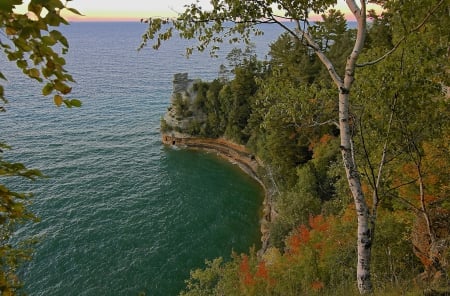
pixel 122 214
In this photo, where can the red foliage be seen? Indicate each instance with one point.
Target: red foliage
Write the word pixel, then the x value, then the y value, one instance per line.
pixel 245 273
pixel 261 271
pixel 318 223
pixel 301 236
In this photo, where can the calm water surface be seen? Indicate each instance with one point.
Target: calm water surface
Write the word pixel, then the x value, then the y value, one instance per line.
pixel 121 214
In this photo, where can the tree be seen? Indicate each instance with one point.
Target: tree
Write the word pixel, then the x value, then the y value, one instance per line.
pixel 31 42
pixel 402 106
pixel 211 27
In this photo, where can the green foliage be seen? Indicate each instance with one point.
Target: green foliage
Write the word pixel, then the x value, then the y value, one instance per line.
pixel 13 212
pixel 164 126
pixel 226 106
pixel 208 26
pixel 291 60
pixel 395 262
pixel 398 123
pixel 318 260
pixel 34 46
pixel 295 207
pixel 181 106
pixel 204 282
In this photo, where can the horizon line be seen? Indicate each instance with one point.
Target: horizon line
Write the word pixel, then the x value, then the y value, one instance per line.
pixel 106 19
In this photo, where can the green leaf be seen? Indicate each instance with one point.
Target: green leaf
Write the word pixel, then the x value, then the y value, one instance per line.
pixel 69 77
pixel 53 19
pixel 55 34
pixel 63 41
pixel 22 64
pixel 67 103
pixel 36 8
pixel 47 89
pixel 75 103
pixel 73 10
pixel 22 44
pixel 34 73
pixel 48 40
pixel 62 87
pixel 2 94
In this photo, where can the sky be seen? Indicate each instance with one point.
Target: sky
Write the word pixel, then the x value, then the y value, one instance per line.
pixel 134 10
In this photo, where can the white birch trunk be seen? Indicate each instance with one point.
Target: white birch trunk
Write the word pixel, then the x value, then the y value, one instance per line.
pixel 364 243
pixel 364 234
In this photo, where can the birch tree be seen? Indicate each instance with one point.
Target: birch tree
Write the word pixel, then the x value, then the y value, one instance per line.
pixel 237 21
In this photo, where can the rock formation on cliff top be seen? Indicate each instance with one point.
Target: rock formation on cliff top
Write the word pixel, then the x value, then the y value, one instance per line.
pixel 182 111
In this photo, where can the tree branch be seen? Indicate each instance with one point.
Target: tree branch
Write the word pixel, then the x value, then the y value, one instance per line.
pixel 323 58
pixel 413 30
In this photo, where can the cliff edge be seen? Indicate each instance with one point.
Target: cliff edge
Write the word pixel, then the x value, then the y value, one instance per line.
pixel 175 132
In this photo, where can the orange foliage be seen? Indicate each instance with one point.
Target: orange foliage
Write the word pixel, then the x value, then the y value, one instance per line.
pixel 322 141
pixel 301 237
pixel 318 223
pixel 325 139
pixel 303 234
pixel 365 188
pixel 261 271
pixel 245 274
pixel 316 286
pixel 410 170
pixel 349 214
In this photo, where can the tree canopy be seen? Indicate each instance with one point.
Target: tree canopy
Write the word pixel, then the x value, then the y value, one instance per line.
pixel 296 110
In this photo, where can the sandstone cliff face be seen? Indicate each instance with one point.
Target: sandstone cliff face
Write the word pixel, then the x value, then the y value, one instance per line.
pixel 231 151
pixel 237 154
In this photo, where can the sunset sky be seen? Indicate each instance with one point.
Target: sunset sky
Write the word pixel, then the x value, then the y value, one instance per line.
pixel 132 10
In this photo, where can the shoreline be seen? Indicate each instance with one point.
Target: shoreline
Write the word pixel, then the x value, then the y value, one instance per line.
pixel 236 154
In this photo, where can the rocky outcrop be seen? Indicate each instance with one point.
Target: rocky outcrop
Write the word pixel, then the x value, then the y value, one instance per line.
pixel 181 82
pixel 181 110
pixel 175 125
pixel 229 150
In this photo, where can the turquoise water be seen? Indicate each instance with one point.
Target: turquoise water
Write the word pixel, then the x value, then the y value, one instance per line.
pixel 121 213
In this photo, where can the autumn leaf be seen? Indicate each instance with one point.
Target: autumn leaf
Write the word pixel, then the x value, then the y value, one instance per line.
pixel 58 100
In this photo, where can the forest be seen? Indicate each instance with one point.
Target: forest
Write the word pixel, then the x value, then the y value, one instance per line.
pixel 284 109
pixel 360 184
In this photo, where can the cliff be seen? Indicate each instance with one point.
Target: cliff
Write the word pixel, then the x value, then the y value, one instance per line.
pixel 181 110
pixel 174 127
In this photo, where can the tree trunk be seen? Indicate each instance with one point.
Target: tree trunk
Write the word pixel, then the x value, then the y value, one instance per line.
pixel 364 243
pixel 362 210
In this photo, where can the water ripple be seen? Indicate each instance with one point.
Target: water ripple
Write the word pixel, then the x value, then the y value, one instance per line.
pixel 121 214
